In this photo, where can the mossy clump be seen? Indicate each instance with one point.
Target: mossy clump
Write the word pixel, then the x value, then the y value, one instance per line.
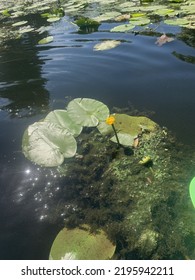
pixel 87 25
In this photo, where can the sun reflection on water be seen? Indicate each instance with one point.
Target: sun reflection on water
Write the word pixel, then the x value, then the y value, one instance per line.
pixel 41 189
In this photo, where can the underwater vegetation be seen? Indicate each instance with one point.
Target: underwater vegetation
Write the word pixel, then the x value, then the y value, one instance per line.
pixel 132 192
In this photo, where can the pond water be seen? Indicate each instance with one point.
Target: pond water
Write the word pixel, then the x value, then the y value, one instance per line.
pixel 35 79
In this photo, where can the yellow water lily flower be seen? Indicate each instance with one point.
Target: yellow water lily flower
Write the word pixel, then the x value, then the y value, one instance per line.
pixel 110 120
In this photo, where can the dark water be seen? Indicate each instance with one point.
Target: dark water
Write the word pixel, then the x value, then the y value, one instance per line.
pixel 35 79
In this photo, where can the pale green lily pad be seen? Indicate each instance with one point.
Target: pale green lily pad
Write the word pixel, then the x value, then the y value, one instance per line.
pixel 87 112
pixel 46 40
pixel 192 191
pixel 62 119
pixel 177 21
pixel 26 29
pixel 107 16
pixel 127 127
pixel 122 28
pixel 133 124
pixel 165 12
pixel 19 23
pixel 106 45
pixel 139 21
pixel 53 19
pixel 125 139
pixel 47 144
pixel 80 244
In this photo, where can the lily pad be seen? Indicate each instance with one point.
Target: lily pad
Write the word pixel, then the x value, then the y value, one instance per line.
pixel 125 139
pixel 107 16
pixel 53 19
pixel 19 23
pixel 122 28
pixel 192 191
pixel 80 244
pixel 87 112
pixel 26 29
pixel 46 40
pixel 127 127
pixel 62 119
pixel 139 21
pixel 47 144
pixel 165 12
pixel 177 21
pixel 106 45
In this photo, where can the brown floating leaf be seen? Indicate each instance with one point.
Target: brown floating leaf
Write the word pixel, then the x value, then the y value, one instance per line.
pixel 163 39
pixel 136 142
pixel 122 17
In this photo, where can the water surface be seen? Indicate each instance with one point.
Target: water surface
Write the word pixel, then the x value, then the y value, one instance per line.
pixel 35 79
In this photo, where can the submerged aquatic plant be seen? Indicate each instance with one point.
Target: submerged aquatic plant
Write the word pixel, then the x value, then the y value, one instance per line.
pixel 87 24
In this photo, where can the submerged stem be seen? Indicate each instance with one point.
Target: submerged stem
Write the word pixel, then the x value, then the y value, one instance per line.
pixel 116 134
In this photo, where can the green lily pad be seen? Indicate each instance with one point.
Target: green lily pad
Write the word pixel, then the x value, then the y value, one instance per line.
pixel 139 21
pixel 165 12
pixel 177 21
pixel 80 244
pixel 47 144
pixel 87 112
pixel 26 29
pixel 106 45
pixel 46 40
pixel 19 23
pixel 122 28
pixel 127 127
pixel 192 191
pixel 107 16
pixel 125 139
pixel 62 119
pixel 53 19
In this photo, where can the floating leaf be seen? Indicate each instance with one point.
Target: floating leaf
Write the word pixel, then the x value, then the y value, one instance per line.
pixel 163 39
pixel 106 45
pixel 177 21
pixel 62 119
pixel 122 17
pixel 26 29
pixel 127 127
pixel 53 19
pixel 6 13
pixel 122 28
pixel 87 112
pixel 139 21
pixel 48 144
pixel 107 16
pixel 165 12
pixel 46 40
pixel 125 139
pixel 192 191
pixel 80 244
pixel 19 23
pixel 138 15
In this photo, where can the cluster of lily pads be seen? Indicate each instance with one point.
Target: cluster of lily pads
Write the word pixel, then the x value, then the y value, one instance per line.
pixel 133 13
pixel 49 141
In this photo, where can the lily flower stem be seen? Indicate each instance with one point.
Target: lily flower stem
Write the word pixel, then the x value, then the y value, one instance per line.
pixel 116 135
